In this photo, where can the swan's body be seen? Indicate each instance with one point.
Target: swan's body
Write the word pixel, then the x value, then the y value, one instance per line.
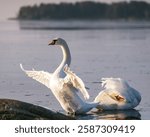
pixel 117 94
pixel 63 83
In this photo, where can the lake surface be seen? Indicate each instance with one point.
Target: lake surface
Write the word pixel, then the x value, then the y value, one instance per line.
pixel 99 49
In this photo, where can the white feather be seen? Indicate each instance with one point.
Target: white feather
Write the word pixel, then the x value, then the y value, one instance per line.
pixel 117 94
pixel 40 76
pixel 75 81
pixel 64 83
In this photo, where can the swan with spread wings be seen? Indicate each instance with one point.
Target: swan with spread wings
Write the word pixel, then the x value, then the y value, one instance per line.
pixel 64 83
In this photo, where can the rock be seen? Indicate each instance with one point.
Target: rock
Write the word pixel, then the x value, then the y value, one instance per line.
pixel 18 110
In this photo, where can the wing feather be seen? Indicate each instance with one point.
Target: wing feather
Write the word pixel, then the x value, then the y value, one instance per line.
pixel 115 95
pixel 40 76
pixel 76 82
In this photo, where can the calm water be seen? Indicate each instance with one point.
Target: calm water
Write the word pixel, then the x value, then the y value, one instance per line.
pixel 99 49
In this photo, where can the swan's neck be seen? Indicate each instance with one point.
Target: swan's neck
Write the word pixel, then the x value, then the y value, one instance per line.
pixel 66 60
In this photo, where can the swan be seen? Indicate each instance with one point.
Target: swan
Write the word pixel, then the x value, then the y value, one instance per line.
pixel 64 83
pixel 117 94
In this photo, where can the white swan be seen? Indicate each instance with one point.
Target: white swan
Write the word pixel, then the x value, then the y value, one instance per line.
pixel 117 94
pixel 64 83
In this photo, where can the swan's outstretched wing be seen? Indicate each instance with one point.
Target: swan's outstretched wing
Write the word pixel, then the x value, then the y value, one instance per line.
pixel 76 82
pixel 40 76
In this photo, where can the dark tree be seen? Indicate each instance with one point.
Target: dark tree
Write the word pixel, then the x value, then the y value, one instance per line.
pixel 86 10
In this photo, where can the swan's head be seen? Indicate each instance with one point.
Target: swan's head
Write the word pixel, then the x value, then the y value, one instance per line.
pixel 57 41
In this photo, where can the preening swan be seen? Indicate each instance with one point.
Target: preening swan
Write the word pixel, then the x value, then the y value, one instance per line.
pixel 64 83
pixel 117 94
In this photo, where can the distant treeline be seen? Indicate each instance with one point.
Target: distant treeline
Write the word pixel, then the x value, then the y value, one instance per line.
pixel 86 10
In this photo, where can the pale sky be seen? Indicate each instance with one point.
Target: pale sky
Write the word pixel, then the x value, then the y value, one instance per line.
pixel 9 8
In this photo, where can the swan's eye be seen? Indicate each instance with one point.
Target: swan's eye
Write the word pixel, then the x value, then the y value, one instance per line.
pixel 52 42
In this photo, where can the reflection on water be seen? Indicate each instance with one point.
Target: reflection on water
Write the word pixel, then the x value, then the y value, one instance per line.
pixel 120 114
pixel 81 25
pixel 113 115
